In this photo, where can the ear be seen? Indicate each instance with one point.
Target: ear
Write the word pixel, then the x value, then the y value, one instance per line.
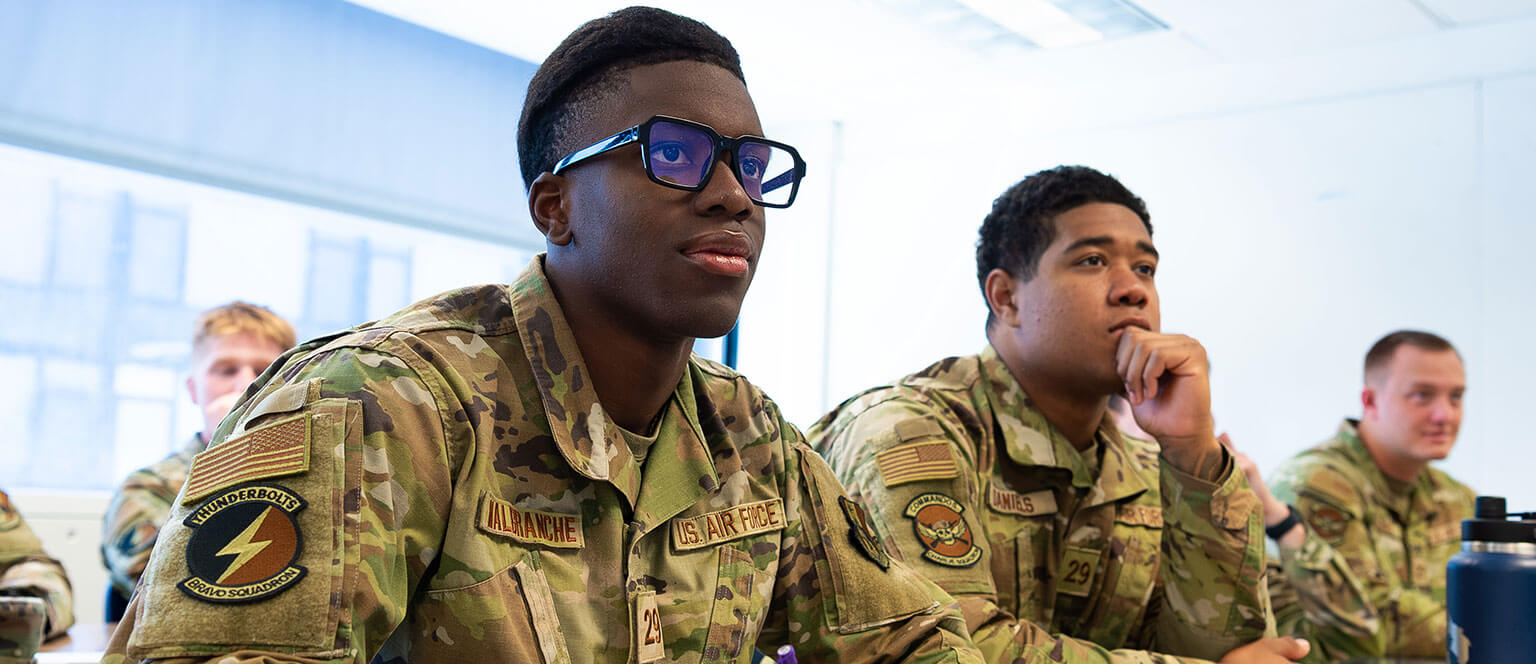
pixel 192 391
pixel 1368 402
pixel 1000 288
pixel 549 206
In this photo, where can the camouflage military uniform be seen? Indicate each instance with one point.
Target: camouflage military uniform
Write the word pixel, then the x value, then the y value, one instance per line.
pixel 1370 577
pixel 462 496
pixel 136 512
pixel 1055 555
pixel 26 570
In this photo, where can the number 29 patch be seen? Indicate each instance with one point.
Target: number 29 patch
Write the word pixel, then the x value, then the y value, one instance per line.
pixel 1077 568
pixel 649 646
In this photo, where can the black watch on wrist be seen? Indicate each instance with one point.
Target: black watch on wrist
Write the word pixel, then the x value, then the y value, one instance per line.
pixel 1279 530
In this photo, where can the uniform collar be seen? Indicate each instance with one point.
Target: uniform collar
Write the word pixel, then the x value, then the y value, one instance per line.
pixel 682 469
pixel 194 446
pixel 1397 495
pixel 1030 440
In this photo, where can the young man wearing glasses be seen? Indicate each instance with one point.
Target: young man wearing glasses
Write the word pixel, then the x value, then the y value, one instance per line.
pixel 1003 477
pixel 541 471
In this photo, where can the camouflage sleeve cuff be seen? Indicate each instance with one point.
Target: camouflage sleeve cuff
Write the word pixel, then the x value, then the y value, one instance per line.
pixel 1313 553
pixel 1226 503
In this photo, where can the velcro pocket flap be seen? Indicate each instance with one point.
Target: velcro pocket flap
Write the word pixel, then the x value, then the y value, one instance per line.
pixel 863 595
pixel 187 609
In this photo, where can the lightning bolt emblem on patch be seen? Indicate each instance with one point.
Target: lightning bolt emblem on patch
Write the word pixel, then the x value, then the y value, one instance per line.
pixel 265 552
pixel 243 548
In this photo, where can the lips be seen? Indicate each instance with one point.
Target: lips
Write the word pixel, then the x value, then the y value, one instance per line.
pixel 1131 322
pixel 724 253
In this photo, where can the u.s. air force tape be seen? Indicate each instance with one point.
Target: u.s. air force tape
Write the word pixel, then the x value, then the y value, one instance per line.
pixel 243 546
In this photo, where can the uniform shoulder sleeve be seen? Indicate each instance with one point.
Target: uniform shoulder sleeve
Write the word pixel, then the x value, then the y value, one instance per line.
pixel 26 570
pixel 1321 478
pixel 1332 586
pixel 304 529
pixel 839 584
pixel 133 517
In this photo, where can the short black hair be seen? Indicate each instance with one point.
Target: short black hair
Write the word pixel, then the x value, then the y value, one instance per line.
pixel 1022 221
pixel 587 64
pixel 1381 352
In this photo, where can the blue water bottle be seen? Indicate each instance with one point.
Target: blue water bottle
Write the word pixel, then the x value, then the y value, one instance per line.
pixel 1490 588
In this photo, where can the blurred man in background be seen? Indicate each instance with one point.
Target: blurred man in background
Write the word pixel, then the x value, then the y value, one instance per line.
pixel 1364 525
pixel 25 570
pixel 231 345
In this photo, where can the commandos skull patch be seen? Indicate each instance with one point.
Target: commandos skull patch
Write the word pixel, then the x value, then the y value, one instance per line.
pixel 244 542
pixel 942 530
pixel 863 533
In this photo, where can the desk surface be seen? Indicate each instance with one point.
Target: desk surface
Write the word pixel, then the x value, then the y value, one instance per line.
pixel 92 637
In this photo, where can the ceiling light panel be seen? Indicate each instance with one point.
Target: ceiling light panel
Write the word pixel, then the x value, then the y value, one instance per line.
pixel 1009 27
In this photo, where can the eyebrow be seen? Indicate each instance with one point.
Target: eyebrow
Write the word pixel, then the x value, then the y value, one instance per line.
pixel 1436 387
pixel 1106 241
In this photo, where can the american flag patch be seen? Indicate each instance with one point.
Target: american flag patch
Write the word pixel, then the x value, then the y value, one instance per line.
pixel 277 449
pixel 933 460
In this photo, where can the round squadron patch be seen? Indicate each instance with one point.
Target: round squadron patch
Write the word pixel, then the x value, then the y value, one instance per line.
pixel 1328 522
pixel 941 529
pixel 244 543
pixel 863 533
pixel 9 517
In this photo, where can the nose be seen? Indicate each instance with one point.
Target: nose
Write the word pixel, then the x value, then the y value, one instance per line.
pixel 1443 411
pixel 723 194
pixel 1127 288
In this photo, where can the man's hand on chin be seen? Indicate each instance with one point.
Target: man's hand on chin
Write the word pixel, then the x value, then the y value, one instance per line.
pixel 1167 382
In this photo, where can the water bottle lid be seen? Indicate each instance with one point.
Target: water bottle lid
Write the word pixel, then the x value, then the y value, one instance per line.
pixel 1490 507
pixel 1492 524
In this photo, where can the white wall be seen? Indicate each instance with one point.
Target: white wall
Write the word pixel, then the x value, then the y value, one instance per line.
pixel 1304 206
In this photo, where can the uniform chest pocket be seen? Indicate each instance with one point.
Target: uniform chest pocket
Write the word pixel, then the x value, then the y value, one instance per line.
pixel 742 591
pixel 1027 560
pixel 507 617
pixel 1130 569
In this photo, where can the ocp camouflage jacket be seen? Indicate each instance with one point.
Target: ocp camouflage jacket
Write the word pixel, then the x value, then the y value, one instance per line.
pixel 1070 558
pixel 466 498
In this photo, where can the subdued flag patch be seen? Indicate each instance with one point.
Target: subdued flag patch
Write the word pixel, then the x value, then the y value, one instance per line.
pixel 273 450
pixel 933 460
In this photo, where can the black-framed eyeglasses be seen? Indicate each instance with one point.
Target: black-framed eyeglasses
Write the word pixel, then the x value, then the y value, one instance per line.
pixel 681 154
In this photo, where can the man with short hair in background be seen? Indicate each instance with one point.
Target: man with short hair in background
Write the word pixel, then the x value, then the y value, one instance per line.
pixel 1365 548
pixel 1003 476
pixel 27 571
pixel 231 345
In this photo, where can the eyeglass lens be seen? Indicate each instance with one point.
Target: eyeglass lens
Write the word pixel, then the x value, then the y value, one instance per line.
pixel 681 155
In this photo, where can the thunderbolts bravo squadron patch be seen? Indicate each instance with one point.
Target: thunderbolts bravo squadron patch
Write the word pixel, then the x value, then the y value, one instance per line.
pixel 244 542
pixel 941 529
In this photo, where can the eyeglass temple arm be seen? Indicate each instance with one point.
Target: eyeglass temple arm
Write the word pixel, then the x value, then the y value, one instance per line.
pixel 622 138
pixel 784 178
